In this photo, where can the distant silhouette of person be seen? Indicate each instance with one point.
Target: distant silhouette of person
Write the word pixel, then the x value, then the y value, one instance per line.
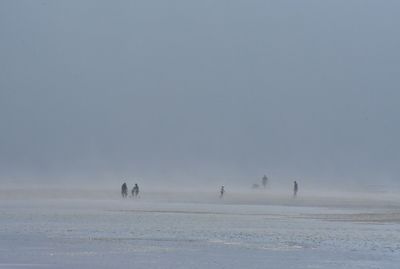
pixel 124 190
pixel 135 191
pixel 222 191
pixel 295 189
pixel 264 181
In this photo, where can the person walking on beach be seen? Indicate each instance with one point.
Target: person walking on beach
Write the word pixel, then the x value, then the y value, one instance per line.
pixel 222 191
pixel 124 190
pixel 264 181
pixel 295 188
pixel 135 191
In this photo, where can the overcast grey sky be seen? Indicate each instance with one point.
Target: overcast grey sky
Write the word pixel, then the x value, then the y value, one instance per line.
pixel 179 90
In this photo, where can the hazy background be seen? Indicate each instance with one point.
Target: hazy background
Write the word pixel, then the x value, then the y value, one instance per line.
pixel 199 92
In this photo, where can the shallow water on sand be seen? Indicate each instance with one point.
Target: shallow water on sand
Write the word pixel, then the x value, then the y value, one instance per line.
pixel 77 233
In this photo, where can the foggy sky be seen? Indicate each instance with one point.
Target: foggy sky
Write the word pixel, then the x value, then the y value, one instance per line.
pixel 213 91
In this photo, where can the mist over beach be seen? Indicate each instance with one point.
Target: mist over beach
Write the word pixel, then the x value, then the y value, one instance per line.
pixel 250 134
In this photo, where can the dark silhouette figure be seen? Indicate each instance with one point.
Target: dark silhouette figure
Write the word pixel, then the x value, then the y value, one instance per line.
pixel 135 191
pixel 124 190
pixel 222 191
pixel 295 189
pixel 264 181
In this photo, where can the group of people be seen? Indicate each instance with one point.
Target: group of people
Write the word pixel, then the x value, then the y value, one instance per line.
pixel 295 185
pixel 135 189
pixel 134 192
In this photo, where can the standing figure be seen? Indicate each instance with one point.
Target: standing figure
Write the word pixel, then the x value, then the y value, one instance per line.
pixel 135 191
pixel 295 189
pixel 222 191
pixel 264 181
pixel 124 190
